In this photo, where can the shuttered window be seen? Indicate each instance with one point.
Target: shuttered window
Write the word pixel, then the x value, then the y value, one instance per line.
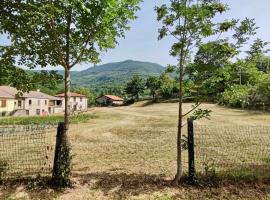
pixel 3 103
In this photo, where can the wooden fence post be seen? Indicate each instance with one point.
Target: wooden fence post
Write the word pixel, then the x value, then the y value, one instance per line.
pixel 62 158
pixel 191 153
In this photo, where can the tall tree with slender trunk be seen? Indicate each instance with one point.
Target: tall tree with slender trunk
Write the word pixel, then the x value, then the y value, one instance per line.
pixel 189 22
pixel 63 32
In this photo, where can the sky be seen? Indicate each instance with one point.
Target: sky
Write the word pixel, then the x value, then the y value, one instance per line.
pixel 140 43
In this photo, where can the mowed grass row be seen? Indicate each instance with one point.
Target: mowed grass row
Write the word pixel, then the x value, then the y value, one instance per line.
pixel 45 120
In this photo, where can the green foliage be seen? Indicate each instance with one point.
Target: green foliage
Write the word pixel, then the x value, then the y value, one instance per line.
pixel 153 84
pixel 263 88
pixel 236 96
pixel 200 113
pixel 111 77
pixel 45 32
pixel 168 87
pixel 45 120
pixel 135 87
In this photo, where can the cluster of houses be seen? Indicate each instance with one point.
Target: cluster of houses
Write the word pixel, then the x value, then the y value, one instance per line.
pixel 36 102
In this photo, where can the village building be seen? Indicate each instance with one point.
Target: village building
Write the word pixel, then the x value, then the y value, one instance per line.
pixel 110 100
pixel 77 102
pixel 31 103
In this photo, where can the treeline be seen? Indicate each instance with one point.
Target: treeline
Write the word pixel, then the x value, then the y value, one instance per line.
pixel 245 83
pixel 215 76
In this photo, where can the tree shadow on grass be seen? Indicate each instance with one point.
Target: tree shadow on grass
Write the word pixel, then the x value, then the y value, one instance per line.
pixel 122 185
pixel 28 188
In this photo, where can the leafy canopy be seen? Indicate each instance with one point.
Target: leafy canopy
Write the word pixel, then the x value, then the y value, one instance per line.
pixel 63 32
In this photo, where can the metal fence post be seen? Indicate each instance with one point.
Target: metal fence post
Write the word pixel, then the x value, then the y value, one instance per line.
pixel 191 153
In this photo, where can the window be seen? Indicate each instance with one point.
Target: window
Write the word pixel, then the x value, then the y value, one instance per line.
pixel 38 102
pixel 74 99
pixel 3 103
pixel 19 103
pixel 15 103
pixel 45 102
pixel 38 111
pixel 80 99
pixel 30 102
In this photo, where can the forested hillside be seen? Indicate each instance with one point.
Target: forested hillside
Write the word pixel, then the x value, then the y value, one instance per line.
pixel 114 74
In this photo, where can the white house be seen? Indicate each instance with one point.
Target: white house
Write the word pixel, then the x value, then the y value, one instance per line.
pixel 77 102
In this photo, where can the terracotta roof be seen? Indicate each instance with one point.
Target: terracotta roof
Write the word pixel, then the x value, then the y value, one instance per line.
pixel 115 98
pixel 72 94
pixel 10 92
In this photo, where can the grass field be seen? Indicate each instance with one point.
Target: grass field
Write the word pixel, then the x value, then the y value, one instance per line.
pixel 129 153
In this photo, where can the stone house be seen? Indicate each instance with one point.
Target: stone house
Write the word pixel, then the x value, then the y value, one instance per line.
pixel 31 103
pixel 78 102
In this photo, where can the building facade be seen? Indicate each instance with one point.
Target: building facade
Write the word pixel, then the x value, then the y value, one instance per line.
pixel 31 103
pixel 77 102
pixel 110 100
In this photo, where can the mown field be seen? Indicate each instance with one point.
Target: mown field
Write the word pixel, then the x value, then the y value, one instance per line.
pixel 129 153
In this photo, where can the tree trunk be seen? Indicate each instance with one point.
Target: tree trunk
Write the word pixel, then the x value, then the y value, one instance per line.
pixel 179 131
pixel 67 73
pixel 67 97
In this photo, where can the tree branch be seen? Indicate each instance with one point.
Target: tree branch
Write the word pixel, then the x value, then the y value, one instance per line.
pixel 196 106
pixel 77 60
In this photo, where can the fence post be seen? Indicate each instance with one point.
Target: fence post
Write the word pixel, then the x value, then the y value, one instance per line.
pixel 62 158
pixel 191 153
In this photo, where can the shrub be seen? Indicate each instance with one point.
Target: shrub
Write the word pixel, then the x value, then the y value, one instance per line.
pixel 236 96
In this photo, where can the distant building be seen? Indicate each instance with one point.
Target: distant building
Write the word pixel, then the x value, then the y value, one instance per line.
pixel 31 103
pixel 108 100
pixel 77 101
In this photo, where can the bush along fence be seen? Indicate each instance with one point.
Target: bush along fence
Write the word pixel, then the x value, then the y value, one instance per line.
pixel 228 152
pixel 35 151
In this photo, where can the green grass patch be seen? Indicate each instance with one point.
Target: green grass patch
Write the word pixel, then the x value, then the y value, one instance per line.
pixel 45 120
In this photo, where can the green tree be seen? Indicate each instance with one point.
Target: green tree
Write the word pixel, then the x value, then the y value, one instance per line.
pixel 168 86
pixel 64 33
pixel 153 84
pixel 188 22
pixel 135 87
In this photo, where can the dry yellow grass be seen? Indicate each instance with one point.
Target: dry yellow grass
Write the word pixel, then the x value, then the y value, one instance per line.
pixel 129 153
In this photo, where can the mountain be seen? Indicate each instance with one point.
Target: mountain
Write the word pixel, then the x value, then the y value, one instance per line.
pixel 111 74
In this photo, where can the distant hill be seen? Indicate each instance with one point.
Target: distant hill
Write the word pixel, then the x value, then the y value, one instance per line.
pixel 105 77
pixel 118 73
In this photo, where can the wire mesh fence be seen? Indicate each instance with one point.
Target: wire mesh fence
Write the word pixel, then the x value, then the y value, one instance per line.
pixel 26 150
pixel 233 150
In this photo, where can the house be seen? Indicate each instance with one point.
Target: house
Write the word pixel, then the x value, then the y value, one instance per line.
pixel 78 102
pixel 30 103
pixel 7 102
pixel 107 100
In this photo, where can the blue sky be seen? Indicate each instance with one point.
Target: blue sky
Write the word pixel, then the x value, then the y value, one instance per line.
pixel 141 41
